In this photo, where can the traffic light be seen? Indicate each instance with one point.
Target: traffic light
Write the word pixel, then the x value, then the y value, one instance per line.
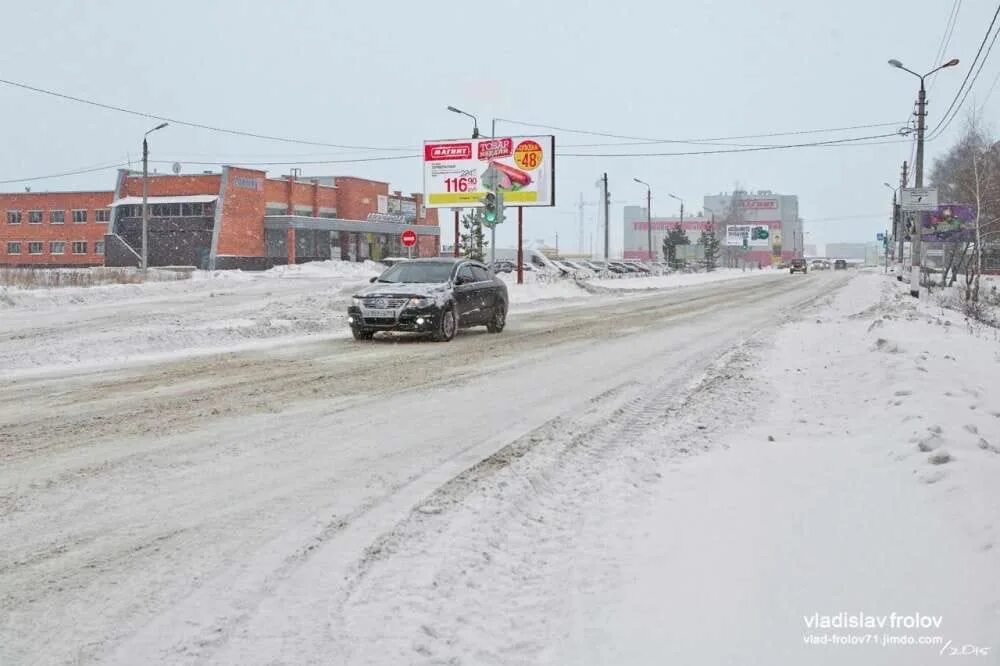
pixel 490 208
pixel 493 208
pixel 745 243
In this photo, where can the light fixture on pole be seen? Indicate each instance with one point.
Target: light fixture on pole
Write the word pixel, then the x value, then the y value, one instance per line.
pixel 649 216
pixel 919 178
pixel 475 121
pixel 145 195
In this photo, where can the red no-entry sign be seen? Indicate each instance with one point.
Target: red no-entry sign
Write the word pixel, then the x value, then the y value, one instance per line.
pixel 409 238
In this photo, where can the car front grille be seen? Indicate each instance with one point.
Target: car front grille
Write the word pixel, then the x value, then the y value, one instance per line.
pixel 385 302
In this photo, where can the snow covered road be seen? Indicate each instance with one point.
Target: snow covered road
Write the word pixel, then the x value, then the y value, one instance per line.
pixel 406 502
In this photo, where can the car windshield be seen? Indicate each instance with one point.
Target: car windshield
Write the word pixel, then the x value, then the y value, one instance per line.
pixel 418 271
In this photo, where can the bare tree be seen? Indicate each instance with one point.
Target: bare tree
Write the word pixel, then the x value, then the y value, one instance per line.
pixel 970 173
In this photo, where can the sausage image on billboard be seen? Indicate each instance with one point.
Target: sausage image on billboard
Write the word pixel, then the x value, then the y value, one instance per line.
pixel 510 178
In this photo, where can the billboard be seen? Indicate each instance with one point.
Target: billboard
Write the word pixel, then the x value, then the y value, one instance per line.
pixel 756 235
pixel 949 223
pixel 459 172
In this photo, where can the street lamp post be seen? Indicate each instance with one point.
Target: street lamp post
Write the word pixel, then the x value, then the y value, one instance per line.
pixel 674 196
pixel 475 121
pixel 919 178
pixel 649 215
pixel 145 196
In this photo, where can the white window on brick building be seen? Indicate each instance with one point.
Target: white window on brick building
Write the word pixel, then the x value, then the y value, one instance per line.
pixel 79 247
pixel 57 247
pixel 79 217
pixel 57 217
pixel 35 247
pixel 35 217
pixel 102 215
pixel 99 247
pixel 13 217
pixel 13 247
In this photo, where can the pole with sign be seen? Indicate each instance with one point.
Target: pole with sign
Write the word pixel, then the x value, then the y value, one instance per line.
pixel 409 239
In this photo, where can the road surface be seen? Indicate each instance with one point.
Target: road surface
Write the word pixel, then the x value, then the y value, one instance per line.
pixel 228 508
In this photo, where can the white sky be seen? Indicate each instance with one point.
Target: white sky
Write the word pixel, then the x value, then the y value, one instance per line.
pixel 381 74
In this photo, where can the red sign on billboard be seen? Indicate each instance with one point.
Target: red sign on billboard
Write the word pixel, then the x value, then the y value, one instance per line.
pixel 494 148
pixel 437 152
pixel 409 238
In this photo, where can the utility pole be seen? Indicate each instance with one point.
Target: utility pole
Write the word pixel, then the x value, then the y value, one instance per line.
pixel 902 222
pixel 581 224
pixel 649 221
pixel 607 216
pixel 915 244
pixel 921 116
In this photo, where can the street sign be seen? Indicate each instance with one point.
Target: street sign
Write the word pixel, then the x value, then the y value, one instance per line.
pixel 409 238
pixel 919 198
pixel 880 236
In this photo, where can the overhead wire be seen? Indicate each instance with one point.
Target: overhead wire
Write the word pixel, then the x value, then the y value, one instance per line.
pixel 707 140
pixel 935 132
pixel 734 150
pixel 196 125
pixel 949 31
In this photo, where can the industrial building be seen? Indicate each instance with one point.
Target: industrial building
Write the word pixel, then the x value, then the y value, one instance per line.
pixel 235 218
pixel 778 213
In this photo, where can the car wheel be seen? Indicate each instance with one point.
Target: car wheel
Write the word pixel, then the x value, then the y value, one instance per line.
pixel 360 334
pixel 447 326
pixel 498 321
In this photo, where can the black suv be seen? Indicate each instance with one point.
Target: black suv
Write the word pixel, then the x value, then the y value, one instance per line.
pixel 798 265
pixel 434 296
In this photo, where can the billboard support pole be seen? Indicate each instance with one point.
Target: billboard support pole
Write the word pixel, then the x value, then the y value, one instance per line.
pixel 520 244
pixel 493 229
pixel 456 232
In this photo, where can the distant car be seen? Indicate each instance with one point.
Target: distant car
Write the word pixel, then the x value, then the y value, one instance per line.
pixel 840 265
pixel 504 267
pixel 798 266
pixel 432 296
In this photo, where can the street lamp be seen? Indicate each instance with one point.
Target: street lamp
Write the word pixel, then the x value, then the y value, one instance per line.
pixel 919 178
pixel 475 121
pixel 649 215
pixel 145 195
pixel 674 196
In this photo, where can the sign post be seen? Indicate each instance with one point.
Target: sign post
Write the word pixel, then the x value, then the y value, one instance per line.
pixel 917 199
pixel 409 239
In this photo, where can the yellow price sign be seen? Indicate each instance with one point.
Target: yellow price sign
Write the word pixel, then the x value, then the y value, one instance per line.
pixel 528 155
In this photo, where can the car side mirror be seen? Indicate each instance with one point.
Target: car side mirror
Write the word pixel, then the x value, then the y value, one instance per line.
pixel 373 279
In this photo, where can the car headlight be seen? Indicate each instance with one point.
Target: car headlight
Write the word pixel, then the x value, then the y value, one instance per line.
pixel 420 302
pixel 356 300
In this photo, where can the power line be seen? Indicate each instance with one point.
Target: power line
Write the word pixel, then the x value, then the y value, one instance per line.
pixel 935 132
pixel 734 150
pixel 710 140
pixel 973 83
pixel 305 162
pixel 75 172
pixel 949 31
pixel 186 123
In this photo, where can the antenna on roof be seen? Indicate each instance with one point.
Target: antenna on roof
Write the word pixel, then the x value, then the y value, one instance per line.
pixel 176 168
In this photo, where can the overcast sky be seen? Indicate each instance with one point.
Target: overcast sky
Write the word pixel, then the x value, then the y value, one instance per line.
pixel 380 73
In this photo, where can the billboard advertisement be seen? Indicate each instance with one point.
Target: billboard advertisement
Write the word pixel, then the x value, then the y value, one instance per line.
pixel 756 235
pixel 948 224
pixel 459 172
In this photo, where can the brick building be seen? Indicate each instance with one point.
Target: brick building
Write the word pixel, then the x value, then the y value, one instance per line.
pixel 54 228
pixel 237 218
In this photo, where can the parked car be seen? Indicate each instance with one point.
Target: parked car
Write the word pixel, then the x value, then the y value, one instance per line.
pixel 798 266
pixel 503 267
pixel 839 265
pixel 432 296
